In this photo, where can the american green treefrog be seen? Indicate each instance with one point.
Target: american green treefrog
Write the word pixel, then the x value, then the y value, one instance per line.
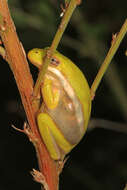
pixel 66 107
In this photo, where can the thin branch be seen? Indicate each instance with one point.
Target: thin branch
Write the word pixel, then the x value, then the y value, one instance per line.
pixel 114 46
pixel 105 124
pixel 66 18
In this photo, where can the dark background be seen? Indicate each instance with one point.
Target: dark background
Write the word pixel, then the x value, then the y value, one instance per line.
pixel 100 160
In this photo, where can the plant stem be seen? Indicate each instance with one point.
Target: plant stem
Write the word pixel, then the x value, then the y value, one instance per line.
pixel 109 125
pixel 70 9
pixel 16 58
pixel 114 46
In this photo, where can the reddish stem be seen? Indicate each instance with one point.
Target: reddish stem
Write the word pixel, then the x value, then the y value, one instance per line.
pixel 19 66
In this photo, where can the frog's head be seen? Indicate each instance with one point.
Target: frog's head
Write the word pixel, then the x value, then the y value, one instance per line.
pixel 36 56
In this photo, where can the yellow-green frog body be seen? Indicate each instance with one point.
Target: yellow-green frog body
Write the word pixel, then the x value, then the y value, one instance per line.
pixel 66 109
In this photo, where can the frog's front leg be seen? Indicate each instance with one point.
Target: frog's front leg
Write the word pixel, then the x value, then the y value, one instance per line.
pixel 54 140
pixel 51 94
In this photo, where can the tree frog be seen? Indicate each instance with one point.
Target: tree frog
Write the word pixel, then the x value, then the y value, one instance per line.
pixel 65 111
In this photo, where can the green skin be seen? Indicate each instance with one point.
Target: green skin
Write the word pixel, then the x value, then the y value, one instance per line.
pixel 54 137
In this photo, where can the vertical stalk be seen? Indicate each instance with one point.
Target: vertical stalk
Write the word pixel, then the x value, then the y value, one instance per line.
pixel 66 18
pixel 114 46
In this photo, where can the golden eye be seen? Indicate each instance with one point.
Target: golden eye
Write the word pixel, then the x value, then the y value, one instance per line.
pixel 54 62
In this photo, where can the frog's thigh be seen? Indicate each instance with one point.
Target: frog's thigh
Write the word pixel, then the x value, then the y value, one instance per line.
pixel 43 124
pixel 52 136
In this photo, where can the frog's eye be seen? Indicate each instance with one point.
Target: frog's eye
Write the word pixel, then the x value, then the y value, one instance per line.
pixel 55 62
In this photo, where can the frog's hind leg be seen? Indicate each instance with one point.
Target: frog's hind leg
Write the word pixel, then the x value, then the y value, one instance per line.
pixel 52 136
pixel 43 123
